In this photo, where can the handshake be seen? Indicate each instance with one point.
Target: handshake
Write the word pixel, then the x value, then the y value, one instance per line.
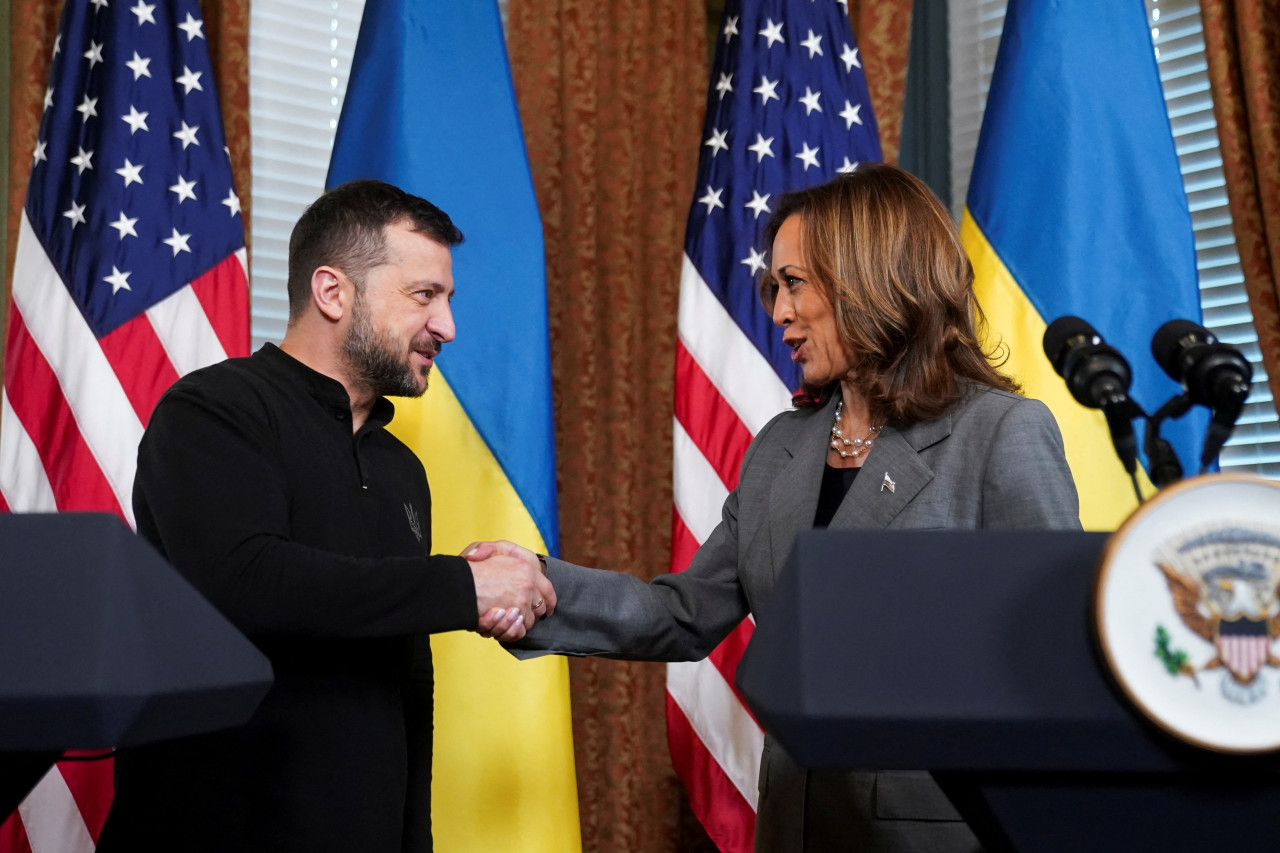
pixel 511 589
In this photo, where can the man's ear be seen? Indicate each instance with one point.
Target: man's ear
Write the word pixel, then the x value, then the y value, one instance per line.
pixel 330 290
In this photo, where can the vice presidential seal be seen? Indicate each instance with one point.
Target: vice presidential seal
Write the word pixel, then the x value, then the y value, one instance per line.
pixel 1187 611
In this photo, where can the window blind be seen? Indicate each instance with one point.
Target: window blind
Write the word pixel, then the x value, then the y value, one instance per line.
pixel 1177 34
pixel 299 57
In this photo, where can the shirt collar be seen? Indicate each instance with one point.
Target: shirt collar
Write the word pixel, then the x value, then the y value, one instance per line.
pixel 326 390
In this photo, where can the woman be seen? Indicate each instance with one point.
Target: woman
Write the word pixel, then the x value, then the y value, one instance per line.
pixel 868 280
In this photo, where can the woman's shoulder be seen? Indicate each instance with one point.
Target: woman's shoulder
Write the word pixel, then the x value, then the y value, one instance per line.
pixel 983 399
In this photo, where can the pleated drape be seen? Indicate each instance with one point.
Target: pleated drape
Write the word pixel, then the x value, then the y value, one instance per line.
pixel 1242 44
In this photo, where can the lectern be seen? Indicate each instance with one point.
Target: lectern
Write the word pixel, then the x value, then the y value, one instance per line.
pixel 103 644
pixel 970 654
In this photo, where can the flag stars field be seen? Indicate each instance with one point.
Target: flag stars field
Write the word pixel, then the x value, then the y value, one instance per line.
pixel 83 160
pixel 724 86
pixel 761 147
pixel 178 242
pixel 773 33
pixel 88 108
pixel 808 156
pixel 140 66
pixel 850 114
pixel 813 43
pixel 189 80
pixel 93 54
pixel 717 142
pixel 137 121
pixel 184 189
pixel 145 13
pixel 132 174
pixel 711 199
pixel 232 201
pixel 810 101
pixel 125 226
pixel 767 89
pixel 118 280
pixel 849 56
pixel 759 203
pixel 187 135
pixel 193 27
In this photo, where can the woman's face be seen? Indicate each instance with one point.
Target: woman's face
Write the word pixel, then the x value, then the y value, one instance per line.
pixel 807 319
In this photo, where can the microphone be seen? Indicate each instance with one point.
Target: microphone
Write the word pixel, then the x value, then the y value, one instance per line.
pixel 1214 374
pixel 1098 377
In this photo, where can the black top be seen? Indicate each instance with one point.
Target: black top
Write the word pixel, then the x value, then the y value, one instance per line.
pixel 835 485
pixel 315 543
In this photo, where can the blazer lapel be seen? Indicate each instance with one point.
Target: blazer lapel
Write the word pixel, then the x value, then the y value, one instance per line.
pixel 891 477
pixel 793 499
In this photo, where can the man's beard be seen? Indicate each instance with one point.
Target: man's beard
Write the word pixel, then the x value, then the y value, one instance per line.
pixel 376 361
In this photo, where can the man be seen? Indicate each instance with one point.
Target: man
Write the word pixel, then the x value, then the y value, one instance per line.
pixel 271 483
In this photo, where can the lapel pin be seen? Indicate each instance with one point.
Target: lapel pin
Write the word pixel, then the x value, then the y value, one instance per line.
pixel 888 483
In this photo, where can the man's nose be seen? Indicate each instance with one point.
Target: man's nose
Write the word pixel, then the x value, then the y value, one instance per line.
pixel 440 324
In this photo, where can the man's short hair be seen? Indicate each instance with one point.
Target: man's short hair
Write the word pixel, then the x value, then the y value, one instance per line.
pixel 346 229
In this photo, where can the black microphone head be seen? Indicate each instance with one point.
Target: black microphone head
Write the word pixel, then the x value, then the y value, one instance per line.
pixel 1215 374
pixel 1062 335
pixel 1172 340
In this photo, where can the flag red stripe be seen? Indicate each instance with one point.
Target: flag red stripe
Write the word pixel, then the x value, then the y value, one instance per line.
pixel 140 363
pixel 709 420
pixel 223 293
pixel 4 505
pixel 77 481
pixel 683 544
pixel 729 819
pixel 90 783
pixel 13 835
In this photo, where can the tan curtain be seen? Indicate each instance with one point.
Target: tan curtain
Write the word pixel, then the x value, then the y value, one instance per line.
pixel 611 96
pixel 1242 42
pixel 883 30
pixel 33 28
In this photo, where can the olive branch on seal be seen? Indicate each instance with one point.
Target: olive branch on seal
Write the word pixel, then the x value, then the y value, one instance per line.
pixel 1174 660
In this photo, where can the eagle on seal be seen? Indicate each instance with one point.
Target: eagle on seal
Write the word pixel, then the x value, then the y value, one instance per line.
pixel 1225 583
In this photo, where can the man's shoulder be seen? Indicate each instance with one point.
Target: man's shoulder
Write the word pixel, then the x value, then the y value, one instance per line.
pixel 240 385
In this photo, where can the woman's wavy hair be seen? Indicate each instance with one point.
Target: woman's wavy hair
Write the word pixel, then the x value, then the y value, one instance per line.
pixel 883 249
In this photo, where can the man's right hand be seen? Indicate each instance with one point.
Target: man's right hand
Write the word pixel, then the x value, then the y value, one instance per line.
pixel 511 591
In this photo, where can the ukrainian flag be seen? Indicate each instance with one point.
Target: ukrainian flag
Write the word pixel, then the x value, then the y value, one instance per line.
pixel 430 108
pixel 1076 206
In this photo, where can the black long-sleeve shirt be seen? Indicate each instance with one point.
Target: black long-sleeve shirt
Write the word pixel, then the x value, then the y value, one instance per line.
pixel 316 544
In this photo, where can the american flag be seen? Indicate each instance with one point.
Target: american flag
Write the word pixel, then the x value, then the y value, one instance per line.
pixel 787 108
pixel 129 272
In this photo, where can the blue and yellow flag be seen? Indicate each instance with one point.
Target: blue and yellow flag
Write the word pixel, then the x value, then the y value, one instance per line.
pixel 430 108
pixel 1076 206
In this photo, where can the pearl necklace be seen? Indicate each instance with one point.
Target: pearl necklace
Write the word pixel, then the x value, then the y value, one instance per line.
pixel 842 445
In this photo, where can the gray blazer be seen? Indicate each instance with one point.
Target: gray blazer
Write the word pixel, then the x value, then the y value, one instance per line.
pixel 995 461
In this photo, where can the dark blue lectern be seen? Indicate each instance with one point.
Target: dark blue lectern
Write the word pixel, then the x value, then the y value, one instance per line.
pixel 970 654
pixel 103 644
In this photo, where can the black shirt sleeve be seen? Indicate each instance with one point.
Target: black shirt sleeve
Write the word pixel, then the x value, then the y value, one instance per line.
pixel 212 493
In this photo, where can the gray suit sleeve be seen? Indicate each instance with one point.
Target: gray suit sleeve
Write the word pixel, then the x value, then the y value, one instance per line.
pixel 674 617
pixel 1026 482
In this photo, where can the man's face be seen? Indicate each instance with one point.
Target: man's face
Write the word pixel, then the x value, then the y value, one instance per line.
pixel 401 317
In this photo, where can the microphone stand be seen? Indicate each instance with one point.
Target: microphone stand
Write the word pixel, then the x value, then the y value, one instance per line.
pixel 1165 467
